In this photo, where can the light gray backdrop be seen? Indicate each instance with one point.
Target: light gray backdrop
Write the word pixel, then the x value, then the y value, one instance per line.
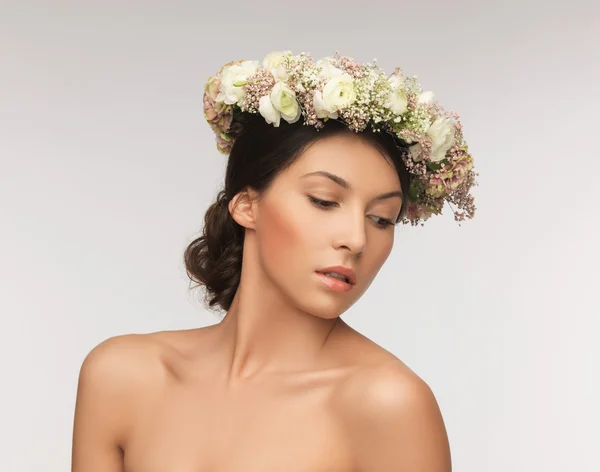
pixel 107 167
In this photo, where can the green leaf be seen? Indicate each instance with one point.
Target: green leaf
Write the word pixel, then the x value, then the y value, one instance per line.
pixel 413 191
pixel 436 165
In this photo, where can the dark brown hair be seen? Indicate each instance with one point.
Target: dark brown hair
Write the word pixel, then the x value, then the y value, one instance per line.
pixel 259 154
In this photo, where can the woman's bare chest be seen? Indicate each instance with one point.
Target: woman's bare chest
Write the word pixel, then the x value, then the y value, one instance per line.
pixel 256 430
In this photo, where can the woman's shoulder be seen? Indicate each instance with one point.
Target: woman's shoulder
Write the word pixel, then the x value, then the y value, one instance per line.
pixel 120 379
pixel 384 399
pixel 376 376
pixel 122 364
pixel 140 357
pixel 371 359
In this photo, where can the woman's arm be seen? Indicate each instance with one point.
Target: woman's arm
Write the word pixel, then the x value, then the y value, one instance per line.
pixel 395 424
pixel 100 410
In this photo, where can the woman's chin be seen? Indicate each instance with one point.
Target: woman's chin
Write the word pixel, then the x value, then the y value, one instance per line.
pixel 324 307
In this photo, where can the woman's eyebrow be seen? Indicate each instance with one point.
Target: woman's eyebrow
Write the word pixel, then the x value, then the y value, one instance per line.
pixel 343 183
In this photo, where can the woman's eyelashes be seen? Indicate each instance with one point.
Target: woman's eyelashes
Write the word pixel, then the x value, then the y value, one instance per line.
pixel 321 203
pixel 326 205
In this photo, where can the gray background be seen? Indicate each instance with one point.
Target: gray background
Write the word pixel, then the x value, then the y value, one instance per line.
pixel 107 167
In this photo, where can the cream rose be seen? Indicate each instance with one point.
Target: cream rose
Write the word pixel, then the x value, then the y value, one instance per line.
pixel 326 68
pixel 416 150
pixel 274 62
pixel 281 103
pixel 425 97
pixel 284 100
pixel 321 109
pixel 233 78
pixel 338 93
pixel 441 133
pixel 268 111
pixel 397 101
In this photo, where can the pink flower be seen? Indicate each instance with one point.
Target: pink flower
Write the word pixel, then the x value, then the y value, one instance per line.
pixel 418 211
pixel 211 88
pixel 224 143
pixel 225 140
pixel 209 110
pixel 457 174
pixel 216 113
pixel 436 187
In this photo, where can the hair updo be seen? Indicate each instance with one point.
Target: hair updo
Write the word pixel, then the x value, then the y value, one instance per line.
pixel 259 153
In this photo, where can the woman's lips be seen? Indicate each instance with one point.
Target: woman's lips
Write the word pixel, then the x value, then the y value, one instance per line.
pixel 334 284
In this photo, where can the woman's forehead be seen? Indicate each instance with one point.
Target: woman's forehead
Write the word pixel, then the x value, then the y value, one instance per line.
pixel 349 157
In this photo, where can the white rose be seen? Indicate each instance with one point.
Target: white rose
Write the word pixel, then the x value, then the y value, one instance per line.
pixel 326 68
pixel 321 109
pixel 397 101
pixel 441 132
pixel 415 150
pixel 233 78
pixel 338 93
pixel 284 100
pixel 274 62
pixel 425 97
pixel 268 111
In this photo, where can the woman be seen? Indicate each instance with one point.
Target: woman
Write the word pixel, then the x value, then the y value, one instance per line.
pixel 302 227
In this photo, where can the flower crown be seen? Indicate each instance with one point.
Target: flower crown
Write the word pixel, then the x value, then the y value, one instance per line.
pixel 359 95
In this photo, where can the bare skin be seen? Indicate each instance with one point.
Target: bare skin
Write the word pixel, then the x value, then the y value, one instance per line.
pixel 282 383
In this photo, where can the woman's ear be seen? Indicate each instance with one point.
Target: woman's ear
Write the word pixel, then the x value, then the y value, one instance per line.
pixel 243 208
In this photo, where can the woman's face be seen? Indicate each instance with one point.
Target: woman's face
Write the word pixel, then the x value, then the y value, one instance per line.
pixel 298 233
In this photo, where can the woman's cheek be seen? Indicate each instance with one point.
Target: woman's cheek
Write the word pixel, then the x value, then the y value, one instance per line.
pixel 280 234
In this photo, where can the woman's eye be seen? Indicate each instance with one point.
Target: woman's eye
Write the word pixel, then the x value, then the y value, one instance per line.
pixel 384 222
pixel 325 204
pixel 321 203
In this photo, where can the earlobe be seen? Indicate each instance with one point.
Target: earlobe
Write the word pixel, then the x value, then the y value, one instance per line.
pixel 242 209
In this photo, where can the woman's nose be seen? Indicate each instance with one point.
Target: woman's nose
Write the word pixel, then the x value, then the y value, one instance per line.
pixel 353 236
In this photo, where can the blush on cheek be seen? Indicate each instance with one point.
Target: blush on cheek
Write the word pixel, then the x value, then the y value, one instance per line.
pixel 279 235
